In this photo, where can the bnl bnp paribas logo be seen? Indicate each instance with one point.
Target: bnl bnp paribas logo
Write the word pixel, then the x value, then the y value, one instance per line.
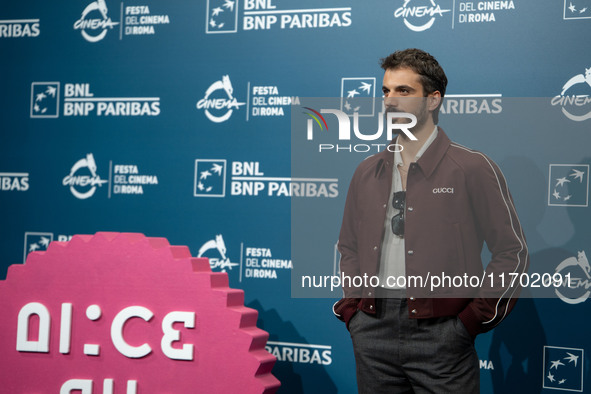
pixel 248 179
pixel 222 16
pixel 563 368
pixel 39 241
pixel 358 96
pixel 420 15
pixel 577 9
pixel 575 97
pixel 568 185
pixel 45 99
pixel 79 100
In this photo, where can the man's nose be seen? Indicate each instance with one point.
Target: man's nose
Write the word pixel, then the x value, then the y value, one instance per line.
pixel 390 101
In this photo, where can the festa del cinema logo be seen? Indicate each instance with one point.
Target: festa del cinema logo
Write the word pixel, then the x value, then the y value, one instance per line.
pixel 248 179
pixel 218 104
pixel 137 20
pixel 577 271
pixel 575 97
pixel 255 262
pixel 563 368
pixel 262 100
pixel 222 16
pixel 577 9
pixel 421 15
pixel 124 179
pixel 83 179
pixel 95 23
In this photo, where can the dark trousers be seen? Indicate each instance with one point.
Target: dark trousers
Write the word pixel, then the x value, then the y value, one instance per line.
pixel 396 354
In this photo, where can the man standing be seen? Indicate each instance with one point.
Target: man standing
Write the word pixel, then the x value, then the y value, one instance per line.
pixel 423 210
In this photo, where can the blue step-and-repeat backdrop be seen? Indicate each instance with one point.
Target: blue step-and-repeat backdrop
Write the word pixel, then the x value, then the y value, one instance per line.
pixel 174 119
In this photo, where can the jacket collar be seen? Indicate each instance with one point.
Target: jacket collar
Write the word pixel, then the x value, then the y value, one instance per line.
pixel 434 153
pixel 427 162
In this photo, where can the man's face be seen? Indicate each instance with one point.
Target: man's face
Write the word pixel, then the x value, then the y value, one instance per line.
pixel 403 92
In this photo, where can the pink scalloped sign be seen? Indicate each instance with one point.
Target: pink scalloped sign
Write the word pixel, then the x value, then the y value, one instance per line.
pixel 123 313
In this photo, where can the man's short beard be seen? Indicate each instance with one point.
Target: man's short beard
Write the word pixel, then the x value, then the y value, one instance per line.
pixel 422 116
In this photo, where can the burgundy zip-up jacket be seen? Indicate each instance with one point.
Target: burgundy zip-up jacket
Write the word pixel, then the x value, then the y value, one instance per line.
pixel 456 199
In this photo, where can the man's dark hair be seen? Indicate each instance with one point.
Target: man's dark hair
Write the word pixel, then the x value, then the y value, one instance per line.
pixel 431 74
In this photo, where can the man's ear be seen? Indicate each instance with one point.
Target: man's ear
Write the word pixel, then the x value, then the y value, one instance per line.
pixel 433 100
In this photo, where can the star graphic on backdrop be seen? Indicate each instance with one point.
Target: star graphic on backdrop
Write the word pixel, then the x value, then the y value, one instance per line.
pixel 578 174
pixel 216 11
pixel 556 364
pixel 229 5
pixel 347 106
pixel 550 377
pixel 51 91
pixel 572 7
pixel 352 93
pixel 561 181
pixel 204 174
pixel 217 169
pixel 365 86
pixel 572 358
pixel 556 194
pixel 45 242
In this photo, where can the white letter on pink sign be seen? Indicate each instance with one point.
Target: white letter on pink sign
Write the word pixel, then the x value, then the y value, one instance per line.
pixel 41 345
pixel 117 331
pixel 171 335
